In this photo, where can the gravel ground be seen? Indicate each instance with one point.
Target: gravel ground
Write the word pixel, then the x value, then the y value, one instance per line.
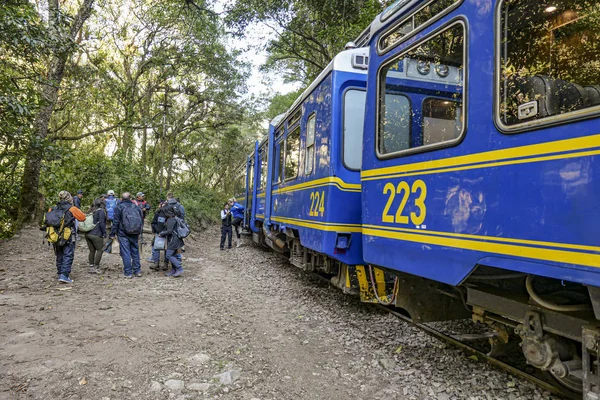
pixel 240 324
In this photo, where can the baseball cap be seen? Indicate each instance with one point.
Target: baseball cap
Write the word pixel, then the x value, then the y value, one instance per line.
pixel 140 194
pixel 80 191
pixel 111 192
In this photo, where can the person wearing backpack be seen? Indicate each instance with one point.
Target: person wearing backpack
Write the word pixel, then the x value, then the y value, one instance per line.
pixel 237 211
pixel 127 224
pixel 174 242
pixel 172 201
pixel 111 204
pixel 95 237
pixel 60 227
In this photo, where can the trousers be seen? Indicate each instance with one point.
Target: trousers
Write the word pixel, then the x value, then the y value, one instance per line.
pixel 64 258
pixel 95 244
pixel 226 233
pixel 130 253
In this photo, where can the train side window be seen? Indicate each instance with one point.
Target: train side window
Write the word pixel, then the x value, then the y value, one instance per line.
pixel 263 172
pixel 441 120
pixel 309 152
pixel 354 120
pixel 278 162
pixel 394 125
pixel 292 154
pixel 548 67
pixel 251 177
pixel 435 67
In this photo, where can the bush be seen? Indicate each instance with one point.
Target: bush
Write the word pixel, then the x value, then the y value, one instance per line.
pixel 202 206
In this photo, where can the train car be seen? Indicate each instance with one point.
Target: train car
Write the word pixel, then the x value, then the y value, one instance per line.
pixel 312 201
pixel 480 172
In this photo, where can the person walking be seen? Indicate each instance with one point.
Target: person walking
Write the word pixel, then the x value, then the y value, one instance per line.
pixel 225 226
pixel 174 242
pixel 237 211
pixel 64 247
pixel 127 225
pixel 95 237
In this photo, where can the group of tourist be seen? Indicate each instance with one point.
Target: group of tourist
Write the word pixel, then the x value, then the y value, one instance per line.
pixel 110 218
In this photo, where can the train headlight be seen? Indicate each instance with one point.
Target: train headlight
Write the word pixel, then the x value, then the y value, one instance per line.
pixel 442 70
pixel 423 67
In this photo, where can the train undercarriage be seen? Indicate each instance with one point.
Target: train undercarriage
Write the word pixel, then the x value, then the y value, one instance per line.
pixel 559 337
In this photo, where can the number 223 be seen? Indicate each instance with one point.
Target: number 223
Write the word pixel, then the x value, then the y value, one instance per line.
pixel 405 191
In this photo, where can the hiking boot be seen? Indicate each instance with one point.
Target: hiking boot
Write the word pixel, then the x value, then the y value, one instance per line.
pixel 65 279
pixel 222 248
pixel 97 269
pixel 127 276
pixel 154 266
pixel 177 272
pixel 138 274
pixel 92 270
pixel 171 272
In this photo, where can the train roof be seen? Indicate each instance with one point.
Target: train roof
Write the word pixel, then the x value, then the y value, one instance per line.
pixel 343 61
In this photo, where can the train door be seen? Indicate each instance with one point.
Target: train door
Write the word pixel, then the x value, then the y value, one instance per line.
pixel 419 117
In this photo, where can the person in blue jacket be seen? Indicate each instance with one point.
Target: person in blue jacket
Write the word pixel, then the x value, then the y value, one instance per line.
pixel 237 211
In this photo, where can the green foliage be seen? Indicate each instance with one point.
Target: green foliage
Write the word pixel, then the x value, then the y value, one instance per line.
pixel 280 103
pixel 307 34
pixel 202 205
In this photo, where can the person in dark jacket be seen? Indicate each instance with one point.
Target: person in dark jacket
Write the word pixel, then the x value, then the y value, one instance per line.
pixel 65 253
pixel 172 201
pixel 95 237
pixel 77 199
pixel 174 242
pixel 128 243
pixel 226 219
pixel 157 225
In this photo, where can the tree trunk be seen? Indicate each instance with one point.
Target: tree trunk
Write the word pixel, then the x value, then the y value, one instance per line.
pixel 31 176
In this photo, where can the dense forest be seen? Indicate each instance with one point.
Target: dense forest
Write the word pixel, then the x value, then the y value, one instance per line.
pixel 148 95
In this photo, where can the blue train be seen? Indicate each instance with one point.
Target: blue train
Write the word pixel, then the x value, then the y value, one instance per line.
pixel 448 166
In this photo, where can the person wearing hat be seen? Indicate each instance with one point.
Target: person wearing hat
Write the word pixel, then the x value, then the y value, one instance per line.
pixel 111 203
pixel 141 202
pixel 65 252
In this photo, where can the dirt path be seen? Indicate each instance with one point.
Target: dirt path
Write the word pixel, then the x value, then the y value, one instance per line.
pixel 240 324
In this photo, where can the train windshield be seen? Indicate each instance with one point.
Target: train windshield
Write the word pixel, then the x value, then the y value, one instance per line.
pixel 550 59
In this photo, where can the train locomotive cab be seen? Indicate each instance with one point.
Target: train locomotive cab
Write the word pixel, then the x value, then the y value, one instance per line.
pixel 312 211
pixel 481 172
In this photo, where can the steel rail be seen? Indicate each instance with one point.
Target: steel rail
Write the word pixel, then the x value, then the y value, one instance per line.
pixel 555 389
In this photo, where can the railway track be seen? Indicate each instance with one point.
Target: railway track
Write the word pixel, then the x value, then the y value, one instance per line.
pixel 544 384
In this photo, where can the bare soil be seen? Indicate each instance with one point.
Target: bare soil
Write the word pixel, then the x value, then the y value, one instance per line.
pixel 271 331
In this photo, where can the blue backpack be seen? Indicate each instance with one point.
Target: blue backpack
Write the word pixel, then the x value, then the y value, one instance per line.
pixel 111 204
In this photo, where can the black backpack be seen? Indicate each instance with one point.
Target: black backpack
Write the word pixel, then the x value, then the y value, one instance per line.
pixel 131 220
pixel 55 217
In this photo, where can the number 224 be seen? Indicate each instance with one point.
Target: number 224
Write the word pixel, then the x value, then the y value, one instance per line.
pixel 403 189
pixel 317 204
